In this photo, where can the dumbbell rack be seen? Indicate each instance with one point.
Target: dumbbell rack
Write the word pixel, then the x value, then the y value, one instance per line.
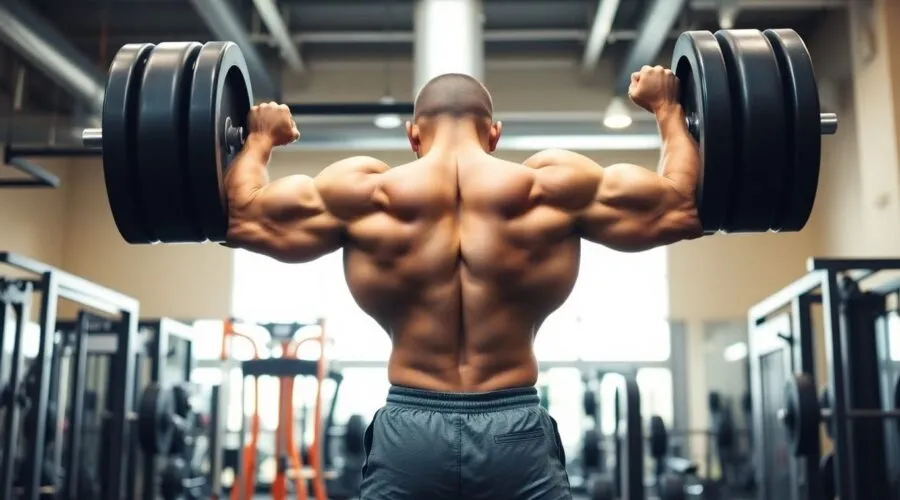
pixel 782 339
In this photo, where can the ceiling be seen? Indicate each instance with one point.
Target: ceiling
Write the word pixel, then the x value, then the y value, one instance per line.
pixel 334 29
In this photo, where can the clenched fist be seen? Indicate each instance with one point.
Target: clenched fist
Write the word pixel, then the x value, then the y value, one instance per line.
pixel 273 121
pixel 653 88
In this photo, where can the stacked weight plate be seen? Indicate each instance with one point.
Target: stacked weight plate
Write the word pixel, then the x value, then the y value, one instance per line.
pixel 164 151
pixel 752 99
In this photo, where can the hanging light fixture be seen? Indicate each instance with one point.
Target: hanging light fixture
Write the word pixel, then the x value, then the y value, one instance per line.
pixel 617 115
pixel 387 120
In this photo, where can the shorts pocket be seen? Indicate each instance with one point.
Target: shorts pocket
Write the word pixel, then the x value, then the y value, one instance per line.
pixel 557 440
pixel 367 440
pixel 518 436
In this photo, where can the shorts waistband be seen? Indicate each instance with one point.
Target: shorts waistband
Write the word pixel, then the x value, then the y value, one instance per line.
pixel 462 402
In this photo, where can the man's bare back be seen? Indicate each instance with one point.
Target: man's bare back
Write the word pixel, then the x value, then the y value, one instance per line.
pixel 460 256
pixel 461 266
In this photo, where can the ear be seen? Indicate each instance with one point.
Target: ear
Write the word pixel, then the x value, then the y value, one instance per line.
pixel 494 136
pixel 412 133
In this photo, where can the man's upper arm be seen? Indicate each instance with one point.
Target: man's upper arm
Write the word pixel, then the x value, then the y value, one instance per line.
pixel 623 206
pixel 300 218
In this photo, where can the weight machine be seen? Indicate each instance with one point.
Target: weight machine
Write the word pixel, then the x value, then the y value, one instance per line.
pixel 860 408
pixel 286 368
pixel 167 426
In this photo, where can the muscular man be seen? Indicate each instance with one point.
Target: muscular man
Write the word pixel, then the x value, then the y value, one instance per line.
pixel 460 256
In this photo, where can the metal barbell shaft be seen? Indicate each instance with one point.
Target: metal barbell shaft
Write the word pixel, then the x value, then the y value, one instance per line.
pixel 92 138
pixel 828 122
pixel 865 413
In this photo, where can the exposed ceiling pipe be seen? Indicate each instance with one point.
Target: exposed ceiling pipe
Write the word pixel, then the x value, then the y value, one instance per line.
pixel 437 50
pixel 225 24
pixel 599 34
pixel 653 32
pixel 772 4
pixel 32 37
pixel 274 22
pixel 496 35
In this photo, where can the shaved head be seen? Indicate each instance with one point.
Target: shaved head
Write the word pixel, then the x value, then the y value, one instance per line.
pixel 453 94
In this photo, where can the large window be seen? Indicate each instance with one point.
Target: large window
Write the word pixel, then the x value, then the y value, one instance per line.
pixel 616 312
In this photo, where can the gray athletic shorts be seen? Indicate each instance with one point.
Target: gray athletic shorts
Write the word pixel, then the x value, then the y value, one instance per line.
pixel 428 445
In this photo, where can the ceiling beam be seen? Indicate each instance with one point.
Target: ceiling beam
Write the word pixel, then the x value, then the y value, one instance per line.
pixel 653 32
pixel 599 34
pixel 274 22
pixel 45 48
pixel 225 24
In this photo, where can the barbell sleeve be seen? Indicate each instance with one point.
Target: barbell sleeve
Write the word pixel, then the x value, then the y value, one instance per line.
pixel 92 138
pixel 828 123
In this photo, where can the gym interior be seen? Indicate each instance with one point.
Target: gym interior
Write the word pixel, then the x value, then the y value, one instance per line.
pixel 755 364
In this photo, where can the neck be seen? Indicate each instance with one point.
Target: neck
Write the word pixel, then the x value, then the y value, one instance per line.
pixel 454 135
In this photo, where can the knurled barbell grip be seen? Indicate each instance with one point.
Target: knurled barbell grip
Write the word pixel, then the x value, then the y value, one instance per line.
pixel 92 138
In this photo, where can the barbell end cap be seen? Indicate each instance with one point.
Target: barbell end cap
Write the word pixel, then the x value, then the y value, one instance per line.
pixel 828 123
pixel 92 138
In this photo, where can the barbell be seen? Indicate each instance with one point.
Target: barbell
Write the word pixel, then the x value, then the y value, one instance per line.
pixel 174 117
pixel 804 410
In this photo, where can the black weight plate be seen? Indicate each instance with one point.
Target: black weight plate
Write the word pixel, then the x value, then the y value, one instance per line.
pixel 589 403
pixel 591 456
pixel 671 487
pixel 221 90
pixel 172 479
pixel 804 137
pixel 802 414
pixel 183 435
pixel 714 401
pixel 897 401
pixel 163 142
pixel 825 402
pixel 600 487
pixel 826 472
pixel 659 437
pixel 724 432
pixel 759 130
pixel 154 422
pixel 703 84
pixel 183 406
pixel 119 120
pixel 630 439
pixel 354 438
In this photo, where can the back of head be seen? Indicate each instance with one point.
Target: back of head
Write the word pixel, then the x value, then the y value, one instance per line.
pixel 453 95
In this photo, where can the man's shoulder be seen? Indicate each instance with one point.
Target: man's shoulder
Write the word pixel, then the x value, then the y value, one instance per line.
pixel 357 164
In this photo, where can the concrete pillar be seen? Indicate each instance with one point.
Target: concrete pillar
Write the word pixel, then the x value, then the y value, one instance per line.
pixel 875 54
pixel 449 38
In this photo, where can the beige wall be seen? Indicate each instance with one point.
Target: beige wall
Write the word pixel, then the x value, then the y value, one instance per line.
pixel 32 221
pixel 859 197
pixel 184 281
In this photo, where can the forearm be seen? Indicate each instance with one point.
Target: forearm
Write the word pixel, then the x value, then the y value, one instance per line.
pixel 680 161
pixel 248 173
